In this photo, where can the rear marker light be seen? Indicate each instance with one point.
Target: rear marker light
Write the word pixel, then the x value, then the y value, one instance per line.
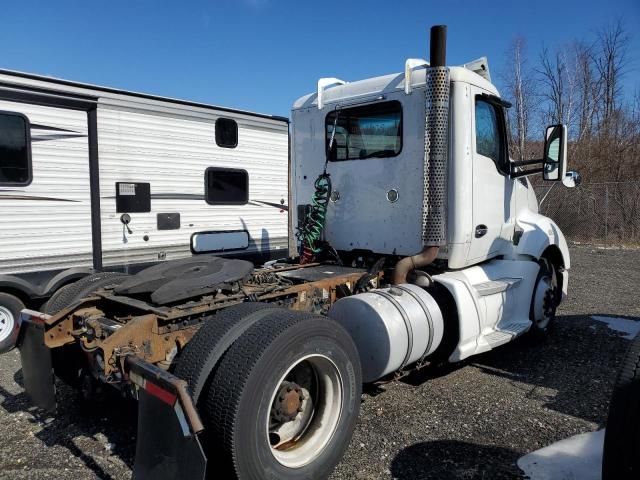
pixel 161 394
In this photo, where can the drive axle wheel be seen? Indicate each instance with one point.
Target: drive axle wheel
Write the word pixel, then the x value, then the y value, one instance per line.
pixel 285 398
pixel 295 408
pixel 201 355
pixel 10 307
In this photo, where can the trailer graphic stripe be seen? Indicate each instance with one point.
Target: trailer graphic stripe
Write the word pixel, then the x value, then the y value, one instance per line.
pixel 37 126
pixel 32 197
pixel 198 196
pixel 64 133
pixel 42 138
pixel 275 205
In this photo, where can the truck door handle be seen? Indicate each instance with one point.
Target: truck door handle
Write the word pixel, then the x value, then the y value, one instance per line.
pixel 481 230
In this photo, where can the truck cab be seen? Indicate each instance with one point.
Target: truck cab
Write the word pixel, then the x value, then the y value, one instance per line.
pixel 416 165
pixel 377 168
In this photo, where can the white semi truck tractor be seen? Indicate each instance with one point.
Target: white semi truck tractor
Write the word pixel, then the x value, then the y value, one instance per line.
pixel 415 240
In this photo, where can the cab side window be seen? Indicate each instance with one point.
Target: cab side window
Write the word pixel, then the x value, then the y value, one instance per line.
pixel 364 132
pixel 490 138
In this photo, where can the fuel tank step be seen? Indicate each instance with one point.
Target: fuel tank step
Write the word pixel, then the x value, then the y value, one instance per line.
pixel 496 286
pixel 505 333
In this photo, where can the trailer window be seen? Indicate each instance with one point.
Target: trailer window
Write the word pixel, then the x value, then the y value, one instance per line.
pixel 490 133
pixel 226 186
pixel 368 131
pixel 15 149
pixel 226 133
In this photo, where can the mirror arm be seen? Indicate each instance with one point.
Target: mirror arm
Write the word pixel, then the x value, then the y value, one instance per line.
pixel 523 163
pixel 524 173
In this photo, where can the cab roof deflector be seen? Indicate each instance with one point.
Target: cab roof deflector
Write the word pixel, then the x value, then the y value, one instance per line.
pixel 479 66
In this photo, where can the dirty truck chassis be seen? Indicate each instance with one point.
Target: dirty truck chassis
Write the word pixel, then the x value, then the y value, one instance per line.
pixel 133 345
pixel 157 334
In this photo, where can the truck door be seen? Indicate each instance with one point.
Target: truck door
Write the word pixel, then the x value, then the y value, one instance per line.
pixel 376 165
pixel 492 186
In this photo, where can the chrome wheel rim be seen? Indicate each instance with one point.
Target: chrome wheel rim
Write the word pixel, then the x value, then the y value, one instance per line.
pixel 305 409
pixel 7 323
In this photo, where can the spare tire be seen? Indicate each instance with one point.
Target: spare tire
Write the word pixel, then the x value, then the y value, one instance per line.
pixel 65 297
pixel 621 456
pixel 284 400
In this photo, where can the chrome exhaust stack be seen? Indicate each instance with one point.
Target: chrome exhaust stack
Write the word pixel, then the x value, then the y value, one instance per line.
pixel 436 146
pixel 436 142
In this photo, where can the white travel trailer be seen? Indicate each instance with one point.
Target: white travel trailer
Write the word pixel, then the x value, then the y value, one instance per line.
pixel 94 178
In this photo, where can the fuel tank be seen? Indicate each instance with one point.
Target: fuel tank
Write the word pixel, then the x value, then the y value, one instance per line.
pixel 392 327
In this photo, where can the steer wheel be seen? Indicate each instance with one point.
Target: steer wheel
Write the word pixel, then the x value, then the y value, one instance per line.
pixel 545 300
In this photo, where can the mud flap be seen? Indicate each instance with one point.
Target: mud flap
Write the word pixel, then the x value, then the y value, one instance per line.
pixel 168 425
pixel 37 367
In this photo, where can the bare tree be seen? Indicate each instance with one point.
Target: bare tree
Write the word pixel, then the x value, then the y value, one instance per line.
pixel 610 63
pixel 581 85
pixel 588 91
pixel 521 89
pixel 553 74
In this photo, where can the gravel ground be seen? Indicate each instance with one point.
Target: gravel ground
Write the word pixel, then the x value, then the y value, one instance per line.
pixel 473 420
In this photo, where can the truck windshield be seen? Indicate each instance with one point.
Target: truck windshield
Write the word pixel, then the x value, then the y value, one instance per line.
pixel 368 131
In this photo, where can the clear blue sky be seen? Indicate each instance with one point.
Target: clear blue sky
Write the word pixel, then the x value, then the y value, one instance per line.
pixel 263 54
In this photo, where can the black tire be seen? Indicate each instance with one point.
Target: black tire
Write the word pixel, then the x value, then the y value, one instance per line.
pixel 10 307
pixel 69 360
pixel 239 400
pixel 60 298
pixel 621 456
pixel 71 293
pixel 198 359
pixel 541 330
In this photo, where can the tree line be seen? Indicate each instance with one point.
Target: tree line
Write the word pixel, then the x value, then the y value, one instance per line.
pixel 580 85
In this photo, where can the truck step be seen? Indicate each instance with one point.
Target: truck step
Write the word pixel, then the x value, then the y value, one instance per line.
pixel 505 333
pixel 492 287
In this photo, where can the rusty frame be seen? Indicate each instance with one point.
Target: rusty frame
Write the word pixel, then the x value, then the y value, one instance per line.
pixel 157 331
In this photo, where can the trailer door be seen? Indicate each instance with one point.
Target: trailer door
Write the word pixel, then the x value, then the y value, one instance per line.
pixel 45 207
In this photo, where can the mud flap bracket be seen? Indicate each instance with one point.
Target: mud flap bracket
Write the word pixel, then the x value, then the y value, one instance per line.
pixel 168 425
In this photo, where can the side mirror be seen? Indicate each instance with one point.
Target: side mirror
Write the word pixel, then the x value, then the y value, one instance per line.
pixel 572 179
pixel 555 153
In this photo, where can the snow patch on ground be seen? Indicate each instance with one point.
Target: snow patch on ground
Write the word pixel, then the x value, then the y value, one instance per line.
pixel 575 458
pixel 629 327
